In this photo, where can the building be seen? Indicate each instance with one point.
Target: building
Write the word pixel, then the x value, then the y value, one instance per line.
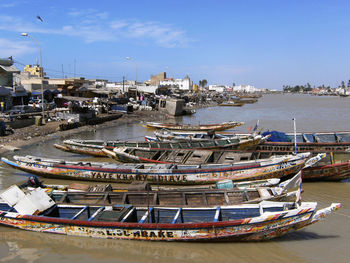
pixel 6 72
pixel 35 70
pixel 177 84
pixel 244 88
pixel 217 88
pixel 8 90
pixel 155 80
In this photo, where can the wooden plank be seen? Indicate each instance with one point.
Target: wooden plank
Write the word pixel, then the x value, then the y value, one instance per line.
pixel 246 195
pixel 128 214
pixel 79 213
pixel 96 213
pixel 226 198
pixel 217 214
pixel 179 211
pixel 146 215
pixel 204 197
pixel 106 195
pixel 124 198
pixel 184 199
pixel 155 198
pixel 63 198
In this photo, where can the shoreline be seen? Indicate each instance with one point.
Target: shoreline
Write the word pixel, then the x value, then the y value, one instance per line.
pixel 30 135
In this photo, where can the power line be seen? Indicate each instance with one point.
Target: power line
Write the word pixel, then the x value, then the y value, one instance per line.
pixel 59 72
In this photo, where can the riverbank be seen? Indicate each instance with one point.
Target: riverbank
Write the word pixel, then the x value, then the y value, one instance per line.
pixel 34 134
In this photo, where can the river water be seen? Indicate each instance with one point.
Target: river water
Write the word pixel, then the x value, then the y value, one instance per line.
pixel 325 241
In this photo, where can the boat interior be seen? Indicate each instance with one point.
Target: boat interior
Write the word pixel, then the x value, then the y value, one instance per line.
pixel 175 215
pixel 166 198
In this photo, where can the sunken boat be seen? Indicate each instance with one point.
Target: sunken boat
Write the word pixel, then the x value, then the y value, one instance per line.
pixel 274 167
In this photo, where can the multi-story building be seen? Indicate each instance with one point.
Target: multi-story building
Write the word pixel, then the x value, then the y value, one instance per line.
pixel 180 84
pixel 35 70
pixel 244 88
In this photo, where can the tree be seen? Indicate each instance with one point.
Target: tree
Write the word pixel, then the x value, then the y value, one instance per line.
pixel 343 84
pixel 203 83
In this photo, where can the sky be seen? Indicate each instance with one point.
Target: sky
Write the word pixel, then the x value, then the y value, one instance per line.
pixel 262 43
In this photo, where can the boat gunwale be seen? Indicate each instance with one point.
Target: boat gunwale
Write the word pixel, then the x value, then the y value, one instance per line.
pixel 275 216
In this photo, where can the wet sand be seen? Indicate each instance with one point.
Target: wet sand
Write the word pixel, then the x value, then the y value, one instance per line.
pixel 34 134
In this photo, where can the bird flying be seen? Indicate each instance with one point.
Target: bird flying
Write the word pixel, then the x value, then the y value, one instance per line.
pixel 38 17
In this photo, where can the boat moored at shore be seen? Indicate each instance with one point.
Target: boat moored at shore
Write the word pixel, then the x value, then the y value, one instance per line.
pixel 274 167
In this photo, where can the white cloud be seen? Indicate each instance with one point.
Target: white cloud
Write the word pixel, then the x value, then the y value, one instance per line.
pixel 93 26
pixel 9 4
pixel 14 48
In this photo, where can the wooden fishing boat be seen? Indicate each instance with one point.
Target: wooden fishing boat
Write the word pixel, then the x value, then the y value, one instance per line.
pixel 276 142
pixel 307 142
pixel 244 100
pixel 168 135
pixel 322 171
pixel 190 157
pixel 274 167
pixel 248 222
pixel 328 167
pixel 94 147
pixel 189 127
pixel 232 103
pixel 335 167
pixel 143 194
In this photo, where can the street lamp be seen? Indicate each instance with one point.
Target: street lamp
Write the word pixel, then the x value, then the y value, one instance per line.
pixel 41 72
pixel 129 58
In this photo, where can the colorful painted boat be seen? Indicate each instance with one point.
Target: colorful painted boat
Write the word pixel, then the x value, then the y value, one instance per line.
pixel 189 127
pixel 322 171
pixel 144 195
pixel 274 167
pixel 94 147
pixel 182 156
pixel 250 222
pixel 276 142
pixel 168 135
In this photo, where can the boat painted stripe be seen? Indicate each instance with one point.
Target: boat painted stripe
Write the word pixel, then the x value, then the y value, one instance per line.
pixel 8 162
pixel 177 215
pixel 217 214
pixel 128 214
pixel 146 215
pixel 171 171
pixel 123 224
pixel 80 212
pixel 96 213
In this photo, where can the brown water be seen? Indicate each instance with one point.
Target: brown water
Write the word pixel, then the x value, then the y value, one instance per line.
pixel 326 241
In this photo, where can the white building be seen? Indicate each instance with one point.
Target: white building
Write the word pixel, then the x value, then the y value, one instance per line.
pixel 150 89
pixel 217 88
pixel 182 84
pixel 244 88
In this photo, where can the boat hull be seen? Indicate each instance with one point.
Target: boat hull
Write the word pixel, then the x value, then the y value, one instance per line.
pixel 264 227
pixel 186 127
pixel 158 174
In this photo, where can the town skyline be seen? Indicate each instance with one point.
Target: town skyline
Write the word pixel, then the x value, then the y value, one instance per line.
pixel 266 44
